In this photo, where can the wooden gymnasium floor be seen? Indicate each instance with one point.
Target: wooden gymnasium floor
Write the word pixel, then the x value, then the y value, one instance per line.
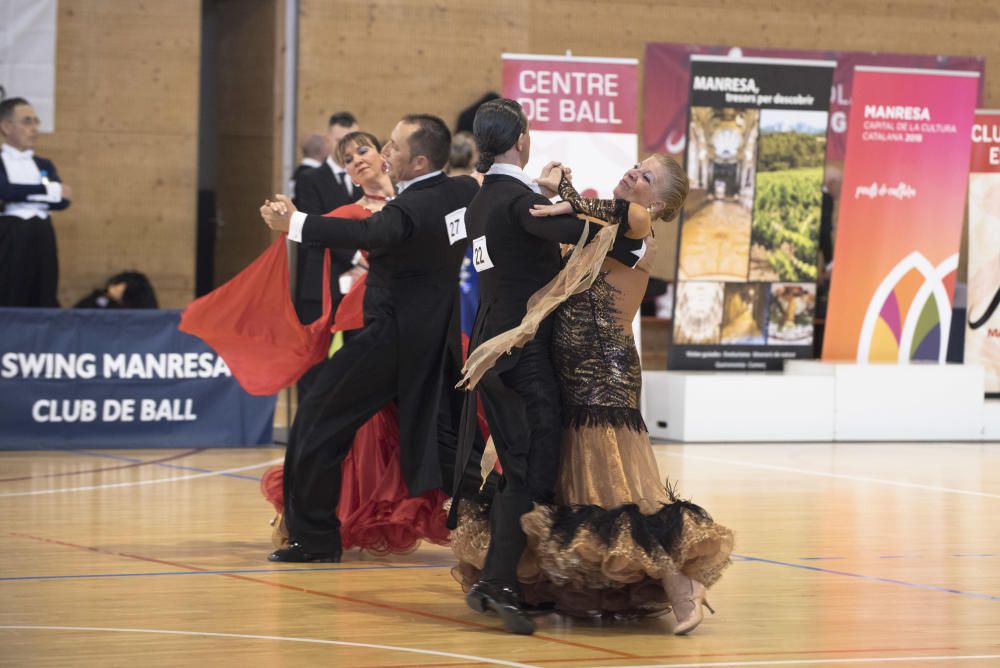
pixel 861 554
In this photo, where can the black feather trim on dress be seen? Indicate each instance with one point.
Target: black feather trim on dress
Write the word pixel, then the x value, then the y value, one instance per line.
pixel 664 527
pixel 618 417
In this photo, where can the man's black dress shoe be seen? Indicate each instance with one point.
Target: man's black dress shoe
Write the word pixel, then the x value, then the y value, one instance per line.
pixel 295 553
pixel 488 595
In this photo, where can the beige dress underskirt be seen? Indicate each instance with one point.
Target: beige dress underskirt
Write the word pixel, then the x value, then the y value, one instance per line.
pixel 607 467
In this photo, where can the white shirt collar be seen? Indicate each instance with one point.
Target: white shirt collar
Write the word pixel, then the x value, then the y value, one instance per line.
pixel 337 169
pixel 505 169
pixel 403 185
pixel 311 162
pixel 12 153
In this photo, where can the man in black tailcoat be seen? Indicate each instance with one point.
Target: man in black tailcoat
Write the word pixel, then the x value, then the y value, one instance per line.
pixel 409 349
pixel 30 189
pixel 515 255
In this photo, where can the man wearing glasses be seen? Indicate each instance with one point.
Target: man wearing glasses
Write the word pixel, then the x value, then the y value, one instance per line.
pixel 29 189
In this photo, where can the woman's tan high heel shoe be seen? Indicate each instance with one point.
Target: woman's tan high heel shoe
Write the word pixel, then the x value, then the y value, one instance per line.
pixel 687 597
pixel 279 532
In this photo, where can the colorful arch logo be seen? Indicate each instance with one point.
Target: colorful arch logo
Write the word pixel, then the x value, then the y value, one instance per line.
pixel 909 316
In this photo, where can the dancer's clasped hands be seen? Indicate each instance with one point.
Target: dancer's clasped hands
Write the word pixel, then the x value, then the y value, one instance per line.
pixel 278 213
pixel 551 174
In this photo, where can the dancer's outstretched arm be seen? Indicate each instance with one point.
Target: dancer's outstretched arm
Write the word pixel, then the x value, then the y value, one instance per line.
pixel 565 228
pixel 616 211
pixel 388 227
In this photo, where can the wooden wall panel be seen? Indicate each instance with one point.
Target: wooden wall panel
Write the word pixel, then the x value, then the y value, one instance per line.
pixel 125 141
pixel 384 58
pixel 381 58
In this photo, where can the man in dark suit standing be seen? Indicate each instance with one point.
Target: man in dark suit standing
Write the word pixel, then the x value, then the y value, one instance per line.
pixel 318 191
pixel 409 349
pixel 29 189
pixel 315 150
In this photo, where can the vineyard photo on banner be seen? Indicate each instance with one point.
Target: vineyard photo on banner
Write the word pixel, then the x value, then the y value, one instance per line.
pixel 749 236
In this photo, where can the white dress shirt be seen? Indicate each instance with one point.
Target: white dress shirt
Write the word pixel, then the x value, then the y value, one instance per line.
pixel 505 169
pixel 403 185
pixel 23 171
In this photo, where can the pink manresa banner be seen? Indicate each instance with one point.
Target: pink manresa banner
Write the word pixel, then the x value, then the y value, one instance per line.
pixel 901 210
pixel 982 334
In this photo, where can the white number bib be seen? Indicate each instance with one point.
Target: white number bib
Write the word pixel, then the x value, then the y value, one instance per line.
pixel 455 222
pixel 480 257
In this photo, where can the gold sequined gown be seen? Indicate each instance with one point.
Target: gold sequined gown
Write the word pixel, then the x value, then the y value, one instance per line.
pixel 615 530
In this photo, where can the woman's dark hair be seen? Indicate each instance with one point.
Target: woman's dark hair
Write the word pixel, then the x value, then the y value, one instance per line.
pixel 139 291
pixel 359 138
pixel 497 126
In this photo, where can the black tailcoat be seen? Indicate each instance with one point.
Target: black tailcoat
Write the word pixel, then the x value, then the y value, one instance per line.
pixel 410 343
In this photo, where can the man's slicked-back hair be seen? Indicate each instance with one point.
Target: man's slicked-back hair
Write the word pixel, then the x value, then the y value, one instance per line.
pixel 344 119
pixel 8 105
pixel 497 126
pixel 431 139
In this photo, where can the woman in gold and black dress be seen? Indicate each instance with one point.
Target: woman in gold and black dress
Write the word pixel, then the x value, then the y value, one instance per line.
pixel 616 540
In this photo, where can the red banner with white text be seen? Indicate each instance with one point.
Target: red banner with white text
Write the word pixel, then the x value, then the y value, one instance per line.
pixel 582 112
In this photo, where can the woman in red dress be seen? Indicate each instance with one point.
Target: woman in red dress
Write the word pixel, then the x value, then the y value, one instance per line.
pixel 375 509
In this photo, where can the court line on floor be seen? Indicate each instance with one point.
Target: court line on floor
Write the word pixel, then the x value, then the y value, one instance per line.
pixel 250 636
pixel 490 661
pixel 168 466
pixel 90 576
pixel 338 597
pixel 740 557
pixel 869 578
pixel 134 464
pixel 839 476
pixel 140 483
pixel 819 662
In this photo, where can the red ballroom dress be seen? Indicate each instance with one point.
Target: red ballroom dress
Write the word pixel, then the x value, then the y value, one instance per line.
pixel 375 509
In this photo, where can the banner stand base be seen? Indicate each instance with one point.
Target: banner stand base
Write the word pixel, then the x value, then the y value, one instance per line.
pixel 818 401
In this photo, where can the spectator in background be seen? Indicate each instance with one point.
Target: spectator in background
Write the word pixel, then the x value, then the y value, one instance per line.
pixel 323 189
pixel 468 115
pixel 319 191
pixel 30 188
pixel 129 289
pixel 314 151
pixel 462 161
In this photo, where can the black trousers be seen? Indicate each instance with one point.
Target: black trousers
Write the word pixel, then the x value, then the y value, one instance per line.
pixel 307 379
pixel 349 389
pixel 29 262
pixel 523 410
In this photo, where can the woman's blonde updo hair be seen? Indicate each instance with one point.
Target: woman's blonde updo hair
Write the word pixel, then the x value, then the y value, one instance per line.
pixel 674 189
